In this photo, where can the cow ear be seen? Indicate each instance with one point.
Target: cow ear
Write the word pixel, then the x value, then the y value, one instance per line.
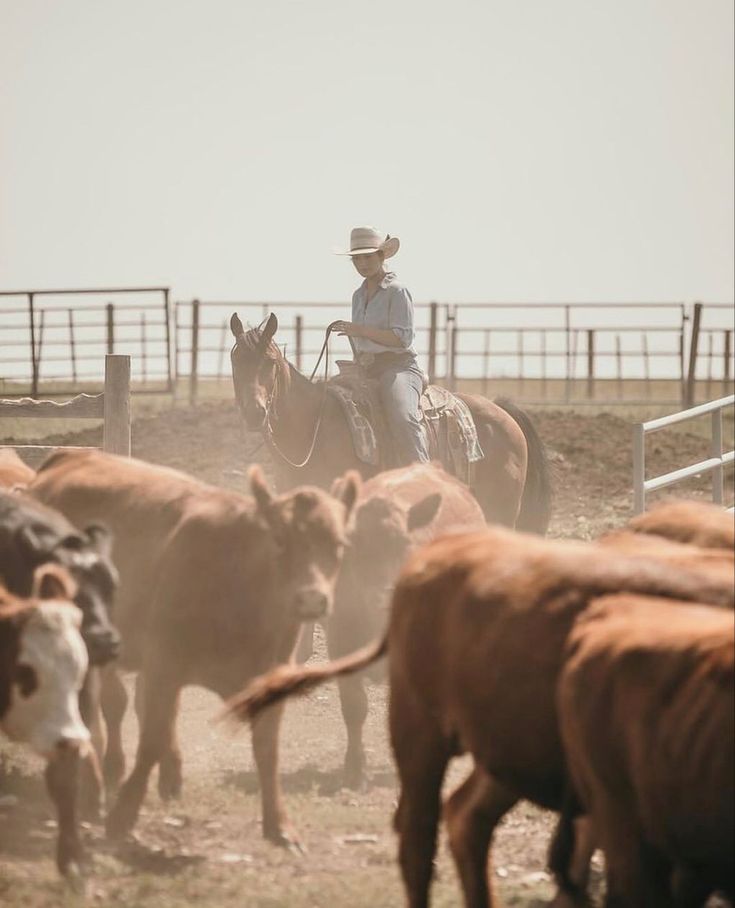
pixel 423 512
pixel 51 581
pixel 236 325
pixel 347 490
pixel 100 537
pixel 264 498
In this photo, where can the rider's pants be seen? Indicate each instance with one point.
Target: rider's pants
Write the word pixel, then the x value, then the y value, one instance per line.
pixel 401 382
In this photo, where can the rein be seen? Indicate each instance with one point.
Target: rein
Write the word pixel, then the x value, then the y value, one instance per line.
pixel 269 407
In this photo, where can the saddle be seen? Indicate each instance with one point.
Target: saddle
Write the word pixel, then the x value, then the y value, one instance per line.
pixel 450 429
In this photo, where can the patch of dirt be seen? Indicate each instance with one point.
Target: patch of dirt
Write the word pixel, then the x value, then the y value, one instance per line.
pixel 206 849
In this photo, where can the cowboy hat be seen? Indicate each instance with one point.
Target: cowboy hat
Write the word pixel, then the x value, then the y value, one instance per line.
pixel 364 240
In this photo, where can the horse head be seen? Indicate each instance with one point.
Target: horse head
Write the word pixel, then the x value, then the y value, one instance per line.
pixel 256 364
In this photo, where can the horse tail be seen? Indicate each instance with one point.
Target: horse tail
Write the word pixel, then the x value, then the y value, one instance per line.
pixel 535 511
pixel 296 680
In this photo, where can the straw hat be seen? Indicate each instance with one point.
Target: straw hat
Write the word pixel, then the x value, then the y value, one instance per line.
pixel 364 240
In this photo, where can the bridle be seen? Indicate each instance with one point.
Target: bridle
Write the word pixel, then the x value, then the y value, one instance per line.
pixel 270 408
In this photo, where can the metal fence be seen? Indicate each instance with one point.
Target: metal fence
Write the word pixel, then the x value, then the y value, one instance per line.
pixel 547 353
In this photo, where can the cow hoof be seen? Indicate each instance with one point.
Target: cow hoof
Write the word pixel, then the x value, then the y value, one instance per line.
pixel 75 879
pixel 354 779
pixel 120 821
pixel 288 840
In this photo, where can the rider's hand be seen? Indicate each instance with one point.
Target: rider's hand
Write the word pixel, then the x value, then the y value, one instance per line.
pixel 348 329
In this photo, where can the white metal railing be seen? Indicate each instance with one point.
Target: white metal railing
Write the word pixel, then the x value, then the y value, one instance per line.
pixel 714 463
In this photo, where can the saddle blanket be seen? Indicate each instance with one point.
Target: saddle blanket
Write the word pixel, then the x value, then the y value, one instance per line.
pixel 450 429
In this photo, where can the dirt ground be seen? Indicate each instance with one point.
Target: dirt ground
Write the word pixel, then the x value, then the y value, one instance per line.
pixel 205 849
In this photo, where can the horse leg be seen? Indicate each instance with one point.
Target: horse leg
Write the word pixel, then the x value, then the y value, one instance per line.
pixel 114 702
pixel 471 814
pixel 354 703
pixel 161 694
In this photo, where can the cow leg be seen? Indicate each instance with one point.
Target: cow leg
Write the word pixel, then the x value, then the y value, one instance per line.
pixel 637 875
pixel 471 814
pixel 114 702
pixel 570 854
pixel 354 703
pixel 159 716
pixel 62 782
pixel 421 756
pixel 276 827
pixel 91 784
pixel 170 777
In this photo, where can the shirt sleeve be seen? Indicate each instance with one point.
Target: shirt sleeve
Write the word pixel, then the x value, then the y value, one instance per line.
pixel 400 315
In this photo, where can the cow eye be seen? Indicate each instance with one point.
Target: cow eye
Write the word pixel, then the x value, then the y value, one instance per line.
pixel 25 678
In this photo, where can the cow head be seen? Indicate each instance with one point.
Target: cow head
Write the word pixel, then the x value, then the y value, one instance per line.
pixel 257 368
pixel 383 531
pixel 43 661
pixel 308 528
pixel 86 555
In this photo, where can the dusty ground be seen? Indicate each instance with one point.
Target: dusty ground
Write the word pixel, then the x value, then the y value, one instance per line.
pixel 206 849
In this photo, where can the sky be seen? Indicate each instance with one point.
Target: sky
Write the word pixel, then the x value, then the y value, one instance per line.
pixel 521 149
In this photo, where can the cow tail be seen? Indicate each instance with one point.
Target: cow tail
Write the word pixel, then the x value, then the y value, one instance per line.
pixel 296 680
pixel 535 512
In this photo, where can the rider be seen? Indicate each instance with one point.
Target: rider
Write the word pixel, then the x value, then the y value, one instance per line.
pixel 382 332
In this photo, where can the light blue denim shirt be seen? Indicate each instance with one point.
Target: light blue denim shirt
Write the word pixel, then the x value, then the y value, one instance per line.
pixel 392 308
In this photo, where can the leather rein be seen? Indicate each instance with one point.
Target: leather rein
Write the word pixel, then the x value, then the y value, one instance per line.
pixel 323 354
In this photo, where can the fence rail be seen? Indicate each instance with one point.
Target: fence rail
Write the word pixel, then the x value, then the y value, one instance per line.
pixel 554 352
pixel 713 464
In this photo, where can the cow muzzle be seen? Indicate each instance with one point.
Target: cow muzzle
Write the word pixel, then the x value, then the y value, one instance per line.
pixel 103 645
pixel 312 604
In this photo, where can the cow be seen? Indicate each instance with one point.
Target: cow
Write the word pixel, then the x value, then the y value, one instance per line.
pixel 43 662
pixel 646 703
pixel 32 534
pixel 697 522
pixel 13 471
pixel 475 642
pixel 214 586
pixel 397 511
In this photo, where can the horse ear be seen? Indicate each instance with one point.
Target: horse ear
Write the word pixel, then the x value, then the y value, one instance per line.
pixel 236 325
pixel 347 490
pixel 271 326
pixel 423 512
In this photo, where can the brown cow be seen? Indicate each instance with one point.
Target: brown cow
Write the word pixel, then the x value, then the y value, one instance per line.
pixel 213 588
pixel 697 522
pixel 475 640
pixel 646 705
pixel 43 661
pixel 397 511
pixel 13 471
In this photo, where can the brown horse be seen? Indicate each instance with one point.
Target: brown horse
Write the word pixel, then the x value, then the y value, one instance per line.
pixel 309 439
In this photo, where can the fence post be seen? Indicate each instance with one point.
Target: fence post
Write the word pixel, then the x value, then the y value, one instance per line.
pixel 298 341
pixel 34 362
pixel 116 433
pixel 433 309
pixel 726 365
pixel 716 451
pixel 452 351
pixel 167 316
pixel 639 468
pixel 590 363
pixel 194 351
pixel 110 327
pixel 143 349
pixel 72 350
pixel 693 348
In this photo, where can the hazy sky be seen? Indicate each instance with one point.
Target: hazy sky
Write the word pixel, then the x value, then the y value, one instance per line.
pixel 523 149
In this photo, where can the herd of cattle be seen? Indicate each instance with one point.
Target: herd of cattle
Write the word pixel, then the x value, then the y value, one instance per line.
pixel 592 678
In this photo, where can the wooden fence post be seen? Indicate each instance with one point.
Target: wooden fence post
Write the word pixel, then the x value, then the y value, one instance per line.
pixel 116 433
pixel 34 361
pixel 693 349
pixel 298 341
pixel 590 363
pixel 727 346
pixel 110 327
pixel 433 314
pixel 194 352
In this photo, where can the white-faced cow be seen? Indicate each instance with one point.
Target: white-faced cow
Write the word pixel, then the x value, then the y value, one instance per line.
pixel 214 586
pixel 43 662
